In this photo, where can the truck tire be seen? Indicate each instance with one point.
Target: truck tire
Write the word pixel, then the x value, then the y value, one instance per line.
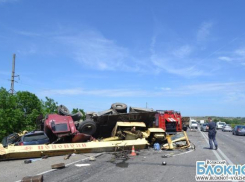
pixel 119 107
pixel 87 127
pixel 185 128
pixel 77 116
pixel 63 110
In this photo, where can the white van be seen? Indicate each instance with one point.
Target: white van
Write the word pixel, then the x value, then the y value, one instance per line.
pixel 219 125
pixel 193 124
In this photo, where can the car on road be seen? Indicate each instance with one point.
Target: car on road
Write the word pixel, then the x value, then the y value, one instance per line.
pixel 34 138
pixel 239 130
pixel 204 127
pixel 227 128
pixel 219 125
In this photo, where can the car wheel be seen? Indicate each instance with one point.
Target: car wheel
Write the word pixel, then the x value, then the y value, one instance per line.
pixel 87 127
pixel 63 110
pixel 119 107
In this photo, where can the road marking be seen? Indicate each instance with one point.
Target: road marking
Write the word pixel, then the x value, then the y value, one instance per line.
pixel 45 172
pixel 182 153
pixel 220 151
pixel 216 153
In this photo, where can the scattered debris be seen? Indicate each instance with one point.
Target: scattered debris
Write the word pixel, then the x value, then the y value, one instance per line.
pixel 122 154
pixel 44 157
pixel 92 158
pixel 27 161
pixel 164 163
pixel 67 156
pixel 38 178
pixel 178 141
pixel 58 166
pixel 156 146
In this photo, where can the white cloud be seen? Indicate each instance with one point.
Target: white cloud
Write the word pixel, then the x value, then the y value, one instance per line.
pixel 204 31
pixel 172 66
pixel 211 89
pixel 103 93
pixel 95 51
pixel 237 57
pixel 183 51
pixel 165 88
pixel 224 58
pixel 240 52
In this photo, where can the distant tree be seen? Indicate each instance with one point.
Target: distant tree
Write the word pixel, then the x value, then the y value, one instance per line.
pixel 18 111
pixel 215 120
pixel 31 108
pixel 75 110
pixel 49 106
pixel 8 113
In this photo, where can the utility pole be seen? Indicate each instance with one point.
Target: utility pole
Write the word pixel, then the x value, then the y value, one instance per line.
pixel 13 75
pixel 146 105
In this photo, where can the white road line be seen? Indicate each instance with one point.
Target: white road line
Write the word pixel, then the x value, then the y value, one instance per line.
pixel 45 172
pixel 182 153
pixel 224 156
pixel 215 152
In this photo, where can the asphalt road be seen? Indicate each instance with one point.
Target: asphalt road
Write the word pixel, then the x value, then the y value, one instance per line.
pixel 232 146
pixel 146 166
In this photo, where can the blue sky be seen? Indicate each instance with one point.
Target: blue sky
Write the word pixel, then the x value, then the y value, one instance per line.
pixel 187 55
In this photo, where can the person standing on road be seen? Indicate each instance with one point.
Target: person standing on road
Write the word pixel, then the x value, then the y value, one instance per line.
pixel 211 126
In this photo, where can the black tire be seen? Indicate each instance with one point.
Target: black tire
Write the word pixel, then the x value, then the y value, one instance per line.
pixel 77 116
pixel 185 128
pixel 87 127
pixel 63 110
pixel 119 107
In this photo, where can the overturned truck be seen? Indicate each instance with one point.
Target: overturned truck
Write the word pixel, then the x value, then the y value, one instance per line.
pixel 101 124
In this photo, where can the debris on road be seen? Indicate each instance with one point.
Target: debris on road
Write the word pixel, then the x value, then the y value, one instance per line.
pixel 27 161
pixel 58 166
pixel 164 163
pixel 91 158
pixel 178 141
pixel 44 157
pixel 38 178
pixel 67 156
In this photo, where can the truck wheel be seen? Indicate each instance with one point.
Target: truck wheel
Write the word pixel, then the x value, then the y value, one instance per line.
pixel 63 110
pixel 87 127
pixel 77 116
pixel 185 128
pixel 119 107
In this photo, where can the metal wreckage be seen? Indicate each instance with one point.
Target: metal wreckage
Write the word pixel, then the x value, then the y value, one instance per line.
pixel 111 130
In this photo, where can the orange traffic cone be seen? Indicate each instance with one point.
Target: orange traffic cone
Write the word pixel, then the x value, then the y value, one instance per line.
pixel 133 152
